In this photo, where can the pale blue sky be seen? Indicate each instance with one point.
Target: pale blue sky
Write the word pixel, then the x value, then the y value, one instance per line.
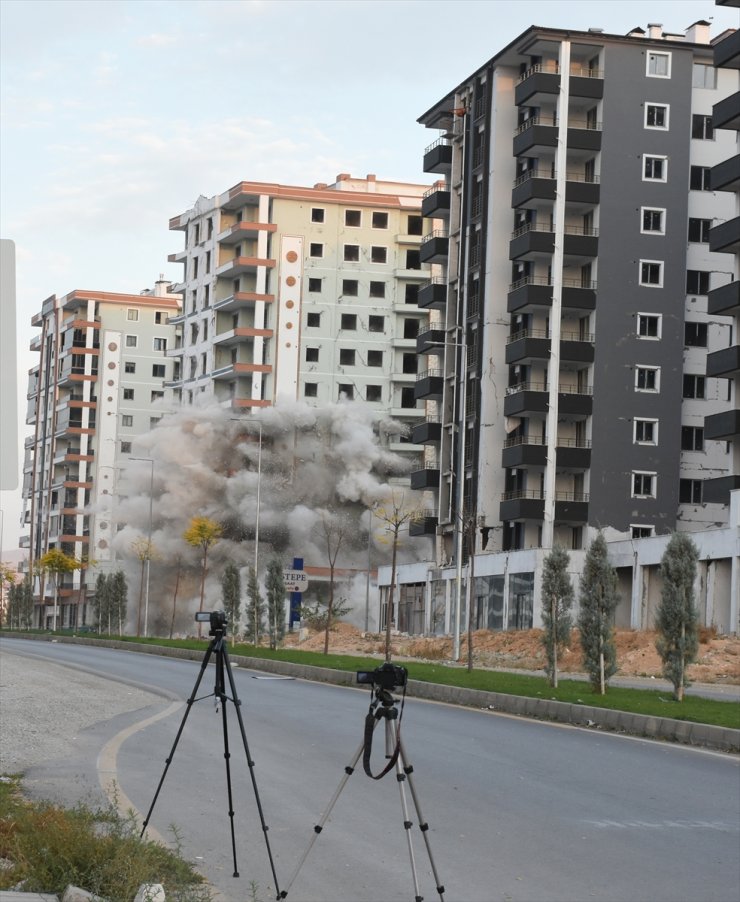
pixel 116 115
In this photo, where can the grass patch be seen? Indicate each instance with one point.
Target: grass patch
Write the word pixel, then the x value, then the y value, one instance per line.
pixel 97 849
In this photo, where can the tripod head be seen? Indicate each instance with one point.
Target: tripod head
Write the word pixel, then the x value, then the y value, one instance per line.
pixel 217 620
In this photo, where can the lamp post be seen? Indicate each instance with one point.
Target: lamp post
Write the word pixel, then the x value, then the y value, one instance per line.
pixel 148 543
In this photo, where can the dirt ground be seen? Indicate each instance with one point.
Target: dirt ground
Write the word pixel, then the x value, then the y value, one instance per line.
pixel 718 660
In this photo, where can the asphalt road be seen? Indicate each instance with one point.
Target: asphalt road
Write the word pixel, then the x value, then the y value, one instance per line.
pixel 519 811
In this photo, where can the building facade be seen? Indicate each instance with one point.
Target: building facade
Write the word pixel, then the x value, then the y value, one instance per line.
pixel 311 294
pixel 99 383
pixel 573 365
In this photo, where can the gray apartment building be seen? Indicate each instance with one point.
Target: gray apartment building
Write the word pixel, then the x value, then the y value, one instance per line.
pixel 573 356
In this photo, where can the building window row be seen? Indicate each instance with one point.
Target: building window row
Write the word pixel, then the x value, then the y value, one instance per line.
pixel 353 218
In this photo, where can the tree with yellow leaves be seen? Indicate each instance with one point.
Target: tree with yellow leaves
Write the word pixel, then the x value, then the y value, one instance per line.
pixel 202 533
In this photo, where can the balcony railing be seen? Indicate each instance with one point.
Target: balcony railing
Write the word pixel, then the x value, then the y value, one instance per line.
pixel 550 227
pixel 544 280
pixel 552 68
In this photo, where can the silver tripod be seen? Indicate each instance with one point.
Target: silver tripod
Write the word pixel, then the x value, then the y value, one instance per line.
pixel 383 707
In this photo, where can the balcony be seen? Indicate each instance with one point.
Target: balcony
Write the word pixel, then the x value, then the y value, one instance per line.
pixel 234 370
pixel 584 135
pixel 435 247
pixel 431 342
pixel 239 335
pixel 576 347
pixel 528 345
pixel 727 52
pixel 573 454
pixel 726 113
pixel 724 364
pixel 717 491
pixel 241 230
pixel 429 385
pixel 725 237
pixel 242 265
pixel 571 507
pixel 540 80
pixel 725 300
pixel 526 397
pixel 575 401
pixel 723 426
pixel 435 204
pixel 433 295
pixel 725 176
pixel 424 523
pixel 438 157
pixel 522 504
pixel 534 240
pixel 535 134
pixel 242 299
pixel 427 433
pixel 524 451
pixel 426 478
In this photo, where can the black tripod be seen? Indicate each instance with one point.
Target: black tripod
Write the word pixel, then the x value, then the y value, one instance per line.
pixel 217 647
pixel 383 707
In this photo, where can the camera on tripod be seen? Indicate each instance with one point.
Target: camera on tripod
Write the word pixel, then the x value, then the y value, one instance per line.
pixel 388 676
pixel 217 619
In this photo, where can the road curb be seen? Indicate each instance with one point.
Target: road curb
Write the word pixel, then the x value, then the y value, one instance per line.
pixel 664 728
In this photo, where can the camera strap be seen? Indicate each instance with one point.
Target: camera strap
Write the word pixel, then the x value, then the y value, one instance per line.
pixel 373 716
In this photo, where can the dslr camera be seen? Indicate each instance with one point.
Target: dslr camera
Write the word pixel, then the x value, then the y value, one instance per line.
pixel 217 620
pixel 388 676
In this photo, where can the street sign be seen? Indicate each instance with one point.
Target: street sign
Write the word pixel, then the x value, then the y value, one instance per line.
pixel 295 580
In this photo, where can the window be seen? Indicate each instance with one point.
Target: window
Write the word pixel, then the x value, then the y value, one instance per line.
pixel 196 233
pixel 692 438
pixel 655 169
pixel 349 321
pixel 694 386
pixel 352 253
pixel 699 230
pixel 378 254
pixel 316 249
pixel 317 214
pixel 313 320
pixel 349 287
pixel 160 317
pixel 158 370
pixel 128 394
pixel 699 178
pixel 353 218
pixel 413 260
pixel 346 357
pixel 310 389
pixel 651 273
pixel 376 323
pixel 314 285
pixel 132 315
pixel 129 366
pixel 642 532
pixel 132 341
pixel 409 363
pixel 653 220
pixel 410 328
pixel 208 261
pixel 701 127
pixel 312 355
pixel 153 422
pixel 689 491
pixel 377 289
pixel 643 484
pixel 656 115
pixel 375 358
pixel 195 267
pixel 373 393
pixel 697 281
pixel 125 447
pixel 160 344
pixel 408 397
pixel 157 396
pixel 209 225
pixel 648 325
pixel 416 225
pixel 127 420
pixel 411 295
pixel 658 64
pixel 345 390
pixel 695 335
pixel 647 378
pixel 645 432
pixel 380 220
pixel 703 76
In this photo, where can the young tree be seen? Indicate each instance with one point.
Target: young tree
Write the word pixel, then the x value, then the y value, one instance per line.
pixel 677 619
pixel 255 608
pixel 101 604
pixel 56 564
pixel 11 619
pixel 231 593
pixel 557 598
pixel 118 602
pixel 315 605
pixel 7 581
pixel 598 601
pixel 334 528
pixel 275 586
pixel 178 569
pixel 202 533
pixel 396 513
pixel 24 603
pixel 145 551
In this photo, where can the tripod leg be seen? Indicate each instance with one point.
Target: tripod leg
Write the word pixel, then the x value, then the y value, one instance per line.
pixel 391 737
pixel 190 702
pixel 221 695
pixel 348 771
pixel 423 825
pixel 237 705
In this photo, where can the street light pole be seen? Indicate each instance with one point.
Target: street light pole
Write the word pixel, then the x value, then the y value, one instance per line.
pixel 148 543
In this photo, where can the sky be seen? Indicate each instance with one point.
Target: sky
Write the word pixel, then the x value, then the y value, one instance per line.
pixel 117 115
